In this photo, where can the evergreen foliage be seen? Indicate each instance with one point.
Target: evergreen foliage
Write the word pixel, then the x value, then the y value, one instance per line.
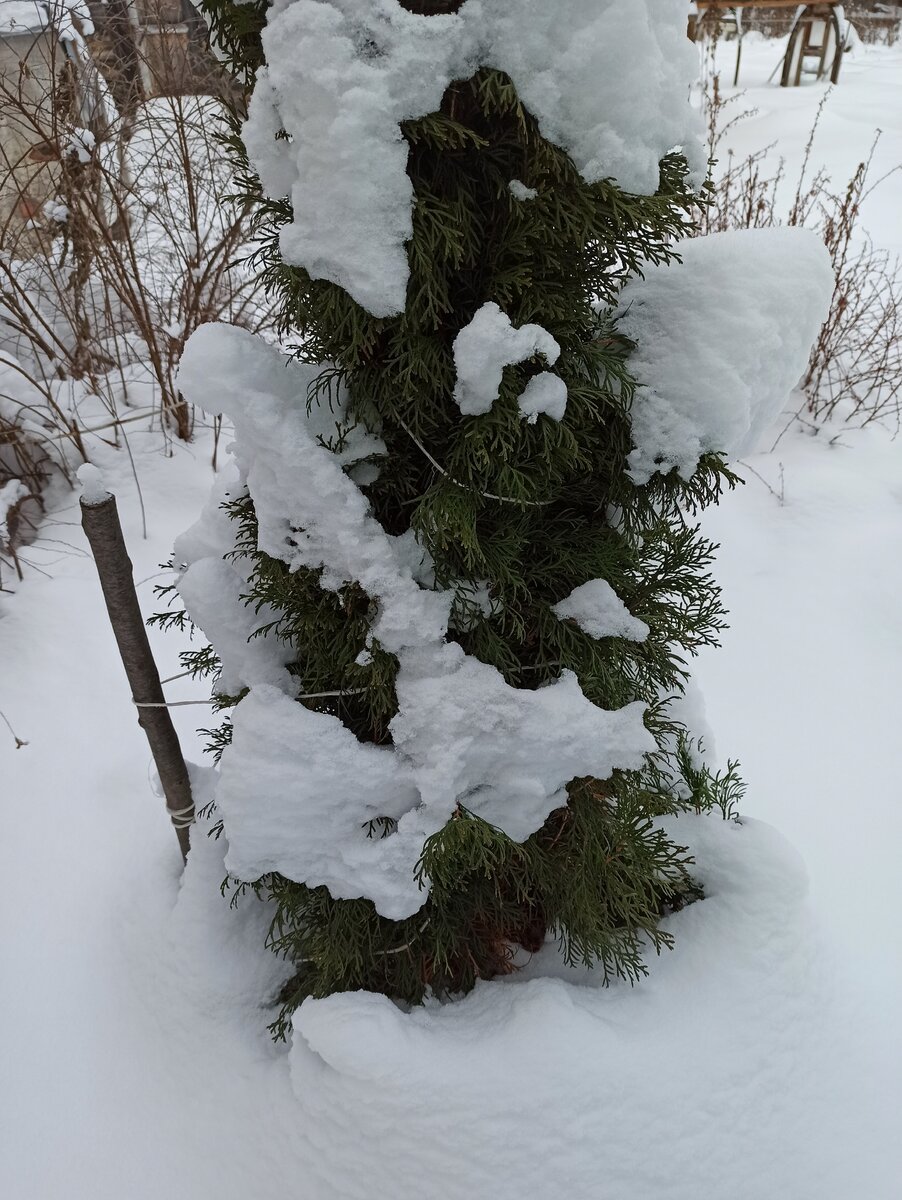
pixel 534 509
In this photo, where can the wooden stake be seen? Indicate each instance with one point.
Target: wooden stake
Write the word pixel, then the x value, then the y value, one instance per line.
pixel 100 521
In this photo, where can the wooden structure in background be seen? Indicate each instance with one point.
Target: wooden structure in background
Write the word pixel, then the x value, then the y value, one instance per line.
pixel 815 45
pixel 39 64
pixel 817 37
pixel 148 48
pixel 27 180
pixel 164 31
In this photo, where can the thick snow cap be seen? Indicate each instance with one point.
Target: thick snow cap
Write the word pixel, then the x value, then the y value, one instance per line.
pixel 721 338
pixel 608 80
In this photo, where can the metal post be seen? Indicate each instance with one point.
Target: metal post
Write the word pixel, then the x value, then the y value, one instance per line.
pixel 100 521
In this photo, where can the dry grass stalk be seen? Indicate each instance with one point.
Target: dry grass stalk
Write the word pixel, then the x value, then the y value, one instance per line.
pixel 855 370
pixel 117 240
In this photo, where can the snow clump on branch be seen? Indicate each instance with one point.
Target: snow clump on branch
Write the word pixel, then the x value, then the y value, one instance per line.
pixel 721 339
pixel 342 75
pixel 298 789
pixel 487 345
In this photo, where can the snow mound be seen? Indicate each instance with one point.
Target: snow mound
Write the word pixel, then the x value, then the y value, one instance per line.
pixel 93 487
pixel 520 191
pixel 298 791
pixel 212 589
pixel 341 76
pixel 214 947
pixel 722 339
pixel 697 1083
pixel 11 494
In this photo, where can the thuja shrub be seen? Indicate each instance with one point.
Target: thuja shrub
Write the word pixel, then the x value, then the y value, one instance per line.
pixel 512 515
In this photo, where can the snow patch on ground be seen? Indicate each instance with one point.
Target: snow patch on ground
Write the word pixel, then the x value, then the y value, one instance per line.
pixel 772 1069
pixel 706 1080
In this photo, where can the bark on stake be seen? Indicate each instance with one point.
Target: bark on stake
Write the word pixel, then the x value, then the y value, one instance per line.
pixel 100 521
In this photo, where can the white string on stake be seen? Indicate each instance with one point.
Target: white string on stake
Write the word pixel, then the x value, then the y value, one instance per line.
pixel 324 695
pixel 181 675
pixel 305 696
pixel 182 818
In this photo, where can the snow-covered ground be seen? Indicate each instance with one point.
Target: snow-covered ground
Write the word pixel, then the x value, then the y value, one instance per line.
pixel 761 1059
pixel 866 99
pixel 805 689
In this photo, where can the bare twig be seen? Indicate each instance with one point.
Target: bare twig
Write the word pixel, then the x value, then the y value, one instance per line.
pixel 855 369
pixel 19 741
pixel 125 241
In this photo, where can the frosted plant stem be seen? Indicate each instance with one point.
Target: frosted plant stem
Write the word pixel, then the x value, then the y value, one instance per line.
pixel 780 496
pixel 62 437
pixel 407 945
pixel 19 741
pixel 131 459
pixel 325 695
pixel 384 953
